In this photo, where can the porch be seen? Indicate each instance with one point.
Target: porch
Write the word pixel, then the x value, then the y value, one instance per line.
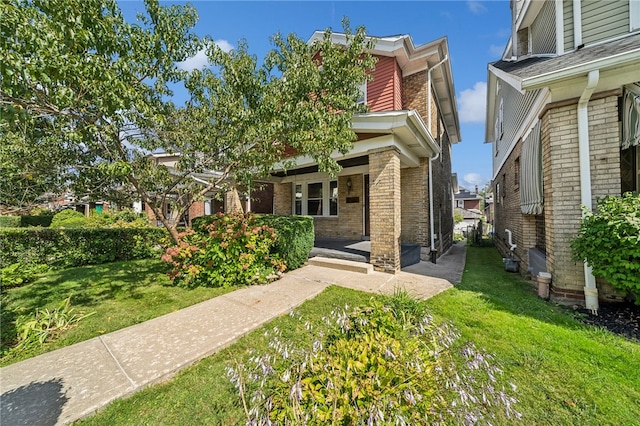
pixel 360 251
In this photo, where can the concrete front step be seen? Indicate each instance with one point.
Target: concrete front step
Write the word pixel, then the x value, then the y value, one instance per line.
pixel 345 265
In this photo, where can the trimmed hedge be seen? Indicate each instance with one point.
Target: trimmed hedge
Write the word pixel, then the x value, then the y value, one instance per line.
pixel 9 221
pixel 295 235
pixel 65 248
pixel 25 221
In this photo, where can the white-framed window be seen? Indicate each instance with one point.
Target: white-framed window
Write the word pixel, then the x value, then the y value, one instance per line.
pixel 634 15
pixel 362 99
pixel 316 198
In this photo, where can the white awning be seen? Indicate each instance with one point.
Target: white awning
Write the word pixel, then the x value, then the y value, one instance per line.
pixel 631 116
pixel 531 197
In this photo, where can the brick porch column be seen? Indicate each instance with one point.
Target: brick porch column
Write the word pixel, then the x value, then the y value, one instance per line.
pixel 384 203
pixel 232 202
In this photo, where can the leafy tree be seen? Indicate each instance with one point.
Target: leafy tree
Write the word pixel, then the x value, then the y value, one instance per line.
pixel 609 241
pixel 102 85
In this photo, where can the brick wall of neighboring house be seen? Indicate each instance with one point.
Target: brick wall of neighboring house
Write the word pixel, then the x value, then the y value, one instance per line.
pixel 196 209
pixel 349 222
pixel 384 169
pixel 562 185
pixel 282 198
pixel 508 214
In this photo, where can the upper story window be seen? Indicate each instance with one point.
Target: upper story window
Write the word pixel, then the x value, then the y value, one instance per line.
pixel 634 15
pixel 362 99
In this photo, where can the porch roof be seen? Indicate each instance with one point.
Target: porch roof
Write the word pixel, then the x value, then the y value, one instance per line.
pixel 403 130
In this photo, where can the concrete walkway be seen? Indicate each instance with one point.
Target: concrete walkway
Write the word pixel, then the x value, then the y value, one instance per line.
pixel 65 385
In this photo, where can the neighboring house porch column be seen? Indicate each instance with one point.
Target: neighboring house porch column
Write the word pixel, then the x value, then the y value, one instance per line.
pixel 384 202
pixel 232 202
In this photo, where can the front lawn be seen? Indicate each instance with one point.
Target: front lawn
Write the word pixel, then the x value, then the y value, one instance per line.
pixel 120 293
pixel 566 373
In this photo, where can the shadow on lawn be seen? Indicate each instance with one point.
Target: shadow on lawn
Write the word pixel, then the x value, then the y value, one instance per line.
pixel 87 286
pixel 507 291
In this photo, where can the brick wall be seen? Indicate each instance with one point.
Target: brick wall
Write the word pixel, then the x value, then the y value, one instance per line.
pixel 282 198
pixel 415 204
pixel 349 222
pixel 384 170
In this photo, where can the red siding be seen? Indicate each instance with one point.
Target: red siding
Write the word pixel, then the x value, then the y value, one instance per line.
pixel 383 92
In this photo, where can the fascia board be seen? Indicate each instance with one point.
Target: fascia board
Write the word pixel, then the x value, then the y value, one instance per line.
pixel 510 79
pixel 560 76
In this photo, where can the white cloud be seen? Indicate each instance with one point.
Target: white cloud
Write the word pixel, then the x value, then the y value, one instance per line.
pixel 200 60
pixel 472 103
pixel 224 45
pixel 470 180
pixel 476 7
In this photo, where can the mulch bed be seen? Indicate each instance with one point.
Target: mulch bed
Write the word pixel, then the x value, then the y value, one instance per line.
pixel 619 318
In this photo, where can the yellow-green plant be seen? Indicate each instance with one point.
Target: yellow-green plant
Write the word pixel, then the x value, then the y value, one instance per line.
pixel 46 324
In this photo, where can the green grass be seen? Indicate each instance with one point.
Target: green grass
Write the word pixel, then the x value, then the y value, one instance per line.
pixel 120 293
pixel 567 373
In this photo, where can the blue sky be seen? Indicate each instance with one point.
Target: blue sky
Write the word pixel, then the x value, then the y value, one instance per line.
pixel 477 32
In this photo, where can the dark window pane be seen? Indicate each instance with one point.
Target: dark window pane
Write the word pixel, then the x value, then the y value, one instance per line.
pixel 333 207
pixel 314 207
pixel 314 190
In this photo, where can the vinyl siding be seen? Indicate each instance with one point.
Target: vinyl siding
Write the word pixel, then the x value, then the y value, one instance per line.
pixel 516 107
pixel 568 25
pixel 543 30
pixel 604 20
pixel 383 92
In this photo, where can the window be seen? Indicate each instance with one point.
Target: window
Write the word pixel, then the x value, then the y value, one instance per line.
pixel 316 198
pixel 516 173
pixel 634 14
pixel 362 99
pixel 333 198
pixel 630 169
pixel 297 209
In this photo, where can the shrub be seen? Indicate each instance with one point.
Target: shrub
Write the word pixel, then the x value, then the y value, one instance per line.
pixel 387 363
pixel 9 221
pixel 66 248
pixel 609 241
pixel 43 220
pixel 17 274
pixel 68 219
pixel 234 251
pixel 295 235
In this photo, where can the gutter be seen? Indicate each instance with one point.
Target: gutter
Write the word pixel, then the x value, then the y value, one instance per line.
pixel 590 289
pixel 433 157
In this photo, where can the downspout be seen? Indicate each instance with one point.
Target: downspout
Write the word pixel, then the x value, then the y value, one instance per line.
pixel 434 157
pixel 590 290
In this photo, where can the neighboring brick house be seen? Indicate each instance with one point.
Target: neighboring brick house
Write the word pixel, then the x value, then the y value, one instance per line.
pixel 396 183
pixel 560 111
pixel 259 200
pixel 467 204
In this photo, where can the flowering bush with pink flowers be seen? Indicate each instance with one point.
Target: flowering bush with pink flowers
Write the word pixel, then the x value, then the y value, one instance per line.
pixel 234 250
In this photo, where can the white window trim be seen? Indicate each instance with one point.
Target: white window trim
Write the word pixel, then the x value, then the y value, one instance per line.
pixel 326 197
pixel 634 15
pixel 363 89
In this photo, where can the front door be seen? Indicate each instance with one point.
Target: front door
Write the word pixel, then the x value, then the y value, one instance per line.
pixel 367 222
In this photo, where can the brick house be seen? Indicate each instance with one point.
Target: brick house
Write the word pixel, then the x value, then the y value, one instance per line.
pixel 561 104
pixel 259 200
pixel 396 183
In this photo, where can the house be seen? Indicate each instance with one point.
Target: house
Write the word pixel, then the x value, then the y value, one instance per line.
pixel 259 200
pixel 562 117
pixel 395 186
pixel 467 200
